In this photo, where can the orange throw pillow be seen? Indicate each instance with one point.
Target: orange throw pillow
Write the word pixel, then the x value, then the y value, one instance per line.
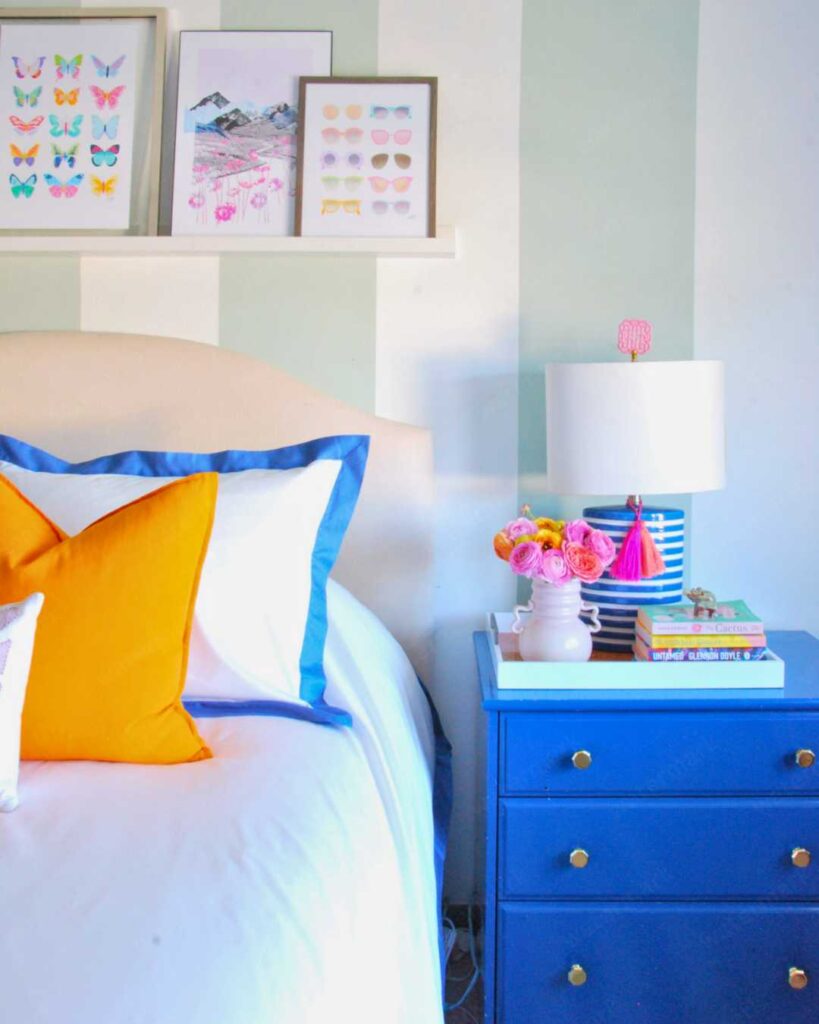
pixel 111 649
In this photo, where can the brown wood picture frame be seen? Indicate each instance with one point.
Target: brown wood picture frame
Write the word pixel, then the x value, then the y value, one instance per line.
pixel 374 80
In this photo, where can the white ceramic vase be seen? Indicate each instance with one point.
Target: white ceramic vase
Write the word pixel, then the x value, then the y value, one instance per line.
pixel 554 630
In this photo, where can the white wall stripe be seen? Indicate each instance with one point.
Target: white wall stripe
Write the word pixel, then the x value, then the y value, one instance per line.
pixel 447 346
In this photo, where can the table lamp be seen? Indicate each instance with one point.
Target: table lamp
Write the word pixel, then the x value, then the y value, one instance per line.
pixel 635 428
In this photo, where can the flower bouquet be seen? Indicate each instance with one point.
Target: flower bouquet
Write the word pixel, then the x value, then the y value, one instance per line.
pixel 553 550
pixel 555 556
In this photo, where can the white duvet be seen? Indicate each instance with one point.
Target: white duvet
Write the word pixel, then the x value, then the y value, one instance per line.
pixel 290 880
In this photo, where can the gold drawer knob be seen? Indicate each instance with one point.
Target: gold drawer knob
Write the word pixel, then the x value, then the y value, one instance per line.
pixel 797 978
pixel 578 858
pixel 805 758
pixel 577 976
pixel 581 759
pixel 800 857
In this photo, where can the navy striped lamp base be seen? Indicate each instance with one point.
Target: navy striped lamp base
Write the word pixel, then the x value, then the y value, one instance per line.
pixel 618 599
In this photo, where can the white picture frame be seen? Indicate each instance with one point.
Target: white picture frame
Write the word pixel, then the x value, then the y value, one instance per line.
pixel 367 157
pixel 237 122
pixel 130 204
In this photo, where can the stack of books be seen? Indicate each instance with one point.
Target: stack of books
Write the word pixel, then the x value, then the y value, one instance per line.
pixel 674 633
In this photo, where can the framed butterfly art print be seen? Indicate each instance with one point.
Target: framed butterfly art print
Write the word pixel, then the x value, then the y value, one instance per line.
pixel 80 119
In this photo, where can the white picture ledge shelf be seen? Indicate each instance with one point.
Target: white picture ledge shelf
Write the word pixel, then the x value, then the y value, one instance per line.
pixel 441 247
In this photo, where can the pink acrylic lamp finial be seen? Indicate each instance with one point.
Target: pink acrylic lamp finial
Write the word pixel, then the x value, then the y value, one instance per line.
pixel 634 336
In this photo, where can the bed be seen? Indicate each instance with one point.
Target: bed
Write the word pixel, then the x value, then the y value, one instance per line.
pixel 295 877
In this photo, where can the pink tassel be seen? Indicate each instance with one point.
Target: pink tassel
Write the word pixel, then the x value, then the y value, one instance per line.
pixel 652 563
pixel 627 564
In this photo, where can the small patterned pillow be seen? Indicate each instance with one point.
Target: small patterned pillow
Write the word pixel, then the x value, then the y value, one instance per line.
pixel 18 623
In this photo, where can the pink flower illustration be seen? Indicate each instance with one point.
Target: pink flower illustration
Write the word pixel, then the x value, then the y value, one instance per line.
pixel 276 184
pixel 258 200
pixel 225 212
pixel 196 201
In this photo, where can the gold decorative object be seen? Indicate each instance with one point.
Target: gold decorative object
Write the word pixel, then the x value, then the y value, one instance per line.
pixel 796 978
pixel 805 758
pixel 582 759
pixel 800 857
pixel 579 858
pixel 577 976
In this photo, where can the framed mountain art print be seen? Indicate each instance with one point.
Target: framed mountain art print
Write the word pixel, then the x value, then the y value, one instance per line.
pixel 237 122
pixel 367 157
pixel 80 118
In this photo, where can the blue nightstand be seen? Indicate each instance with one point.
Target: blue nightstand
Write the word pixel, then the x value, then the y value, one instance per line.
pixel 653 856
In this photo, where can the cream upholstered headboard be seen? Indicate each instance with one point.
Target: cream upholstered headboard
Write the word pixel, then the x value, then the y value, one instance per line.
pixel 80 395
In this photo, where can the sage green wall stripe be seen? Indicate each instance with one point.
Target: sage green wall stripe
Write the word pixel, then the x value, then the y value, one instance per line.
pixel 608 123
pixel 312 317
pixel 39 293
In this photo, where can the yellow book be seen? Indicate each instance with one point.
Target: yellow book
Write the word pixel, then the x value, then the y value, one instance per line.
pixel 664 643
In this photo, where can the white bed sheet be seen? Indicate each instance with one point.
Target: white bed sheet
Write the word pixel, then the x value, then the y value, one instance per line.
pixel 290 880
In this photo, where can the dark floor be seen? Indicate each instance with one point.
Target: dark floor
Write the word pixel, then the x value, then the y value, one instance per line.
pixel 459 971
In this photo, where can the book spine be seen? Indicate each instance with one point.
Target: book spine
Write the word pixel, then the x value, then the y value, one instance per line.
pixel 703 627
pixel 700 654
pixel 701 640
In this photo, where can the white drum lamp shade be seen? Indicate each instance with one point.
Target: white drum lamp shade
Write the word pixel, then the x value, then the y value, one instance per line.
pixel 635 428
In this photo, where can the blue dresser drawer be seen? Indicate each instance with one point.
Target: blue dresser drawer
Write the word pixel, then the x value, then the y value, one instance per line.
pixel 667 752
pixel 656 848
pixel 656 964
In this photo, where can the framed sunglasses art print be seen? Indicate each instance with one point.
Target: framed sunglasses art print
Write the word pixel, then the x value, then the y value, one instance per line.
pixel 366 160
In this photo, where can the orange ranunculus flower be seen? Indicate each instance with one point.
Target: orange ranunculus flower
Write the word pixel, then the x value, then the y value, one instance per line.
pixel 503 546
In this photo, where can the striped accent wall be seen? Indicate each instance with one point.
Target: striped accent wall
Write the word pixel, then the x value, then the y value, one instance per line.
pixel 601 160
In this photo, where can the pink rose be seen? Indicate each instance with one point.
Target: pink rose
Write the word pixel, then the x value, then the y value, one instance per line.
pixel 602 545
pixel 553 567
pixel 519 528
pixel 577 531
pixel 582 562
pixel 525 559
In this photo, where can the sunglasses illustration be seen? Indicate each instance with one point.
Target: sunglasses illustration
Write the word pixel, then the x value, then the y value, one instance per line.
pixel 347 205
pixel 402 160
pixel 353 111
pixel 382 184
pixel 332 182
pixel 380 137
pixel 330 159
pixel 350 135
pixel 381 206
pixel 401 113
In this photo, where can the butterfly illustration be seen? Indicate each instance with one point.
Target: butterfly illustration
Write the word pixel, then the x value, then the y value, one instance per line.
pixel 104 157
pixel 69 97
pixel 103 186
pixel 100 127
pixel 22 188
pixel 25 127
pixel 63 188
pixel 32 70
pixel 68 68
pixel 66 156
pixel 101 97
pixel 108 70
pixel 59 127
pixel 27 98
pixel 19 157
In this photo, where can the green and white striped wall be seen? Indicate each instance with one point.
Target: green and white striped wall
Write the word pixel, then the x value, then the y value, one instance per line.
pixel 594 171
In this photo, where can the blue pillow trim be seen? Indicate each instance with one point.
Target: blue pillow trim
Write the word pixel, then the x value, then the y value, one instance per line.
pixel 320 713
pixel 350 449
pixel 441 780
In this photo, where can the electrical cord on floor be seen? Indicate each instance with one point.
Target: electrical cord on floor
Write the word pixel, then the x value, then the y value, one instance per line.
pixel 476 970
